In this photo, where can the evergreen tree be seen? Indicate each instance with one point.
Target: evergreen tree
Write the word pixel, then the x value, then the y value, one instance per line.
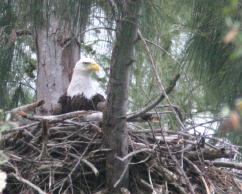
pixel 211 56
pixel 7 21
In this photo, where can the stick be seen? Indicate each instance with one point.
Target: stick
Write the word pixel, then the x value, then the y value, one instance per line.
pixel 134 153
pixel 155 102
pixel 161 86
pixel 210 154
pixel 194 166
pixel 226 164
pixel 54 118
pixel 44 153
pixel 94 169
pixel 10 130
pixel 27 107
pixel 23 180
pixel 122 175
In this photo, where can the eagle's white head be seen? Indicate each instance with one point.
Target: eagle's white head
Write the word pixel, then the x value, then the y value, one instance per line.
pixel 86 65
pixel 81 82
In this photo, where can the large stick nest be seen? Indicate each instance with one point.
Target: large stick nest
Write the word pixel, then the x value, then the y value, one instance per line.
pixel 68 155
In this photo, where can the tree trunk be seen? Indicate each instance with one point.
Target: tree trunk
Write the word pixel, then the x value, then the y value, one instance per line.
pixel 115 115
pixel 57 53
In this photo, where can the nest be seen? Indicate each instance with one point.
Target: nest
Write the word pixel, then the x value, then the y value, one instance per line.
pixel 68 155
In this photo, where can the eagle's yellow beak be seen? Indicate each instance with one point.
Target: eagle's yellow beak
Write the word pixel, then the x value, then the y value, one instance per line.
pixel 93 66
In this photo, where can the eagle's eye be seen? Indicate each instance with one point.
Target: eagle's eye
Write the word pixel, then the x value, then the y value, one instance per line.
pixel 86 63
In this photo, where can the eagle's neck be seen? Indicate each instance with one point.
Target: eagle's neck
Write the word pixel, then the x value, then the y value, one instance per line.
pixel 81 83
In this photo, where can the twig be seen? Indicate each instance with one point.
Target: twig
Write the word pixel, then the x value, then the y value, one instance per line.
pixel 23 180
pixel 154 67
pixel 165 51
pixel 180 169
pixel 210 154
pixel 201 124
pixel 135 153
pixel 122 175
pixel 150 179
pixel 162 88
pixel 170 176
pixel 176 108
pixel 54 118
pixel 92 166
pixel 155 102
pixel 80 158
pixel 70 40
pixel 94 169
pixel 44 153
pixel 226 164
pixel 238 184
pixel 10 130
pixel 27 107
pixel 146 184
pixel 179 188
pixel 200 174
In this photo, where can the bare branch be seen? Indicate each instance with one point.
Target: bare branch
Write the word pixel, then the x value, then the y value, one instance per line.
pixel 194 166
pixel 27 107
pixel 209 154
pixel 27 182
pixel 54 118
pixel 94 169
pixel 154 67
pixel 226 164
pixel 155 102
pixel 134 153
pixel 44 152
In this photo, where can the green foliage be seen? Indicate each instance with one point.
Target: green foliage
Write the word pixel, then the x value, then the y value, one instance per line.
pixel 18 77
pixel 16 64
pixel 164 23
pixel 211 58
pixel 38 13
pixel 7 20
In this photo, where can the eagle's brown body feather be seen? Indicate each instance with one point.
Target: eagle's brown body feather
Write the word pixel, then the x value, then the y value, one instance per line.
pixel 79 102
pixel 81 93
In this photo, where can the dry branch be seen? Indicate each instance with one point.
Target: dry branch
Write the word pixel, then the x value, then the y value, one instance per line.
pixel 27 182
pixel 225 164
pixel 76 155
pixel 27 107
pixel 155 102
pixel 54 118
pixel 44 152
pixel 161 86
pixel 209 154
pixel 198 171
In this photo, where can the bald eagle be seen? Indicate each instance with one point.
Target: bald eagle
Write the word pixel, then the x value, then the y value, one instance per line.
pixel 81 93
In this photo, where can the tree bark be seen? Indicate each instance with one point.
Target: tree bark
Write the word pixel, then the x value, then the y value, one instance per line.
pixel 115 130
pixel 58 49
